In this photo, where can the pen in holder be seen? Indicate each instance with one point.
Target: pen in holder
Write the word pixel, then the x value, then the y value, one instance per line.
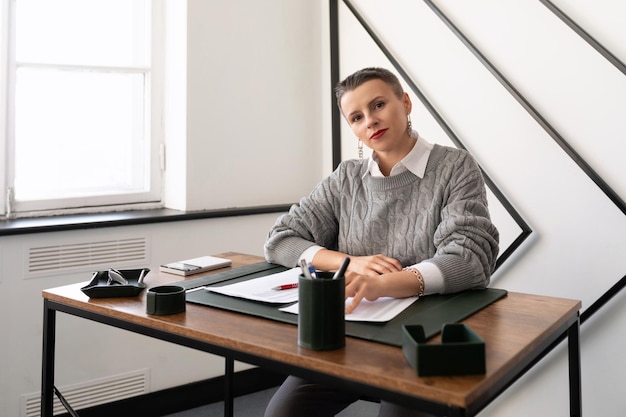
pixel 321 312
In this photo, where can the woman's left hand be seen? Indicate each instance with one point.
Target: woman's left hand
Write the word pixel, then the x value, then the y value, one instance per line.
pixel 371 287
pixel 361 287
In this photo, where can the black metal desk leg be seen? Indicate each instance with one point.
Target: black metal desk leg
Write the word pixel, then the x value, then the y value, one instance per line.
pixel 575 390
pixel 228 386
pixel 47 365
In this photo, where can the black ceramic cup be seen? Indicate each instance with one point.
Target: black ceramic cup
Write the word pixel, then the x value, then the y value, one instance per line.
pixel 166 299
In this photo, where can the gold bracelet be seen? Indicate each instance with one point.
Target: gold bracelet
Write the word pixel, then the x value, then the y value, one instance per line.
pixel 420 280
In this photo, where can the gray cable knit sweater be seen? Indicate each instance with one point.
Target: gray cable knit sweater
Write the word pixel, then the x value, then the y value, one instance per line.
pixel 442 218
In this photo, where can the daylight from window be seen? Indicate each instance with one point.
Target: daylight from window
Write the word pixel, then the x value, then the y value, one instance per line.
pixel 81 98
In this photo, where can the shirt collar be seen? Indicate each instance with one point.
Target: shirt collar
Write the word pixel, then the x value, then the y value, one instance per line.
pixel 415 161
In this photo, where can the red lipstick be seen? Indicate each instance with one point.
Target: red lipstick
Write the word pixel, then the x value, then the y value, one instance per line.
pixel 378 134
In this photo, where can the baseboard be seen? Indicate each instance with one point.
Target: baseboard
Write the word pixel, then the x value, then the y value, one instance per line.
pixel 185 397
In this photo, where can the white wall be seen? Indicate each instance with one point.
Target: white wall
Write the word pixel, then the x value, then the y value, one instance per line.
pixel 577 245
pixel 252 122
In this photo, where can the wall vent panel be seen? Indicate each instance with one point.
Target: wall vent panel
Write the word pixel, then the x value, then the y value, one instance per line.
pixel 92 393
pixel 46 260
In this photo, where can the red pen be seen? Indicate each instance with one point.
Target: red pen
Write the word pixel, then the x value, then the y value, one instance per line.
pixel 286 287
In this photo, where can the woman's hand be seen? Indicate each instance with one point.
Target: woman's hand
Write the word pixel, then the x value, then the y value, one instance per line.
pixel 369 277
pixel 365 278
pixel 363 286
pixel 397 284
pixel 327 260
pixel 372 266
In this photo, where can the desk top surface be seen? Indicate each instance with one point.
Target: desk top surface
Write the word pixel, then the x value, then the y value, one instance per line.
pixel 513 328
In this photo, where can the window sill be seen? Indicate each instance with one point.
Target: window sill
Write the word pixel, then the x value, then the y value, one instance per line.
pixel 123 218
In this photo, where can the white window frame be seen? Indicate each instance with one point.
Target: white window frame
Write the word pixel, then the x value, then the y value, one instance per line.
pixel 154 87
pixel 4 44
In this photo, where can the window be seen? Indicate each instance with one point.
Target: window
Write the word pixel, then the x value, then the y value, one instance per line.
pixel 82 105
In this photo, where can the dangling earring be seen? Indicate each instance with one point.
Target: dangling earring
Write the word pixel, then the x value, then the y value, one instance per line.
pixel 409 125
pixel 360 149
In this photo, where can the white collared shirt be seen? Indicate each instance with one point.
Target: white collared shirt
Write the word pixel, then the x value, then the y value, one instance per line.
pixel 415 161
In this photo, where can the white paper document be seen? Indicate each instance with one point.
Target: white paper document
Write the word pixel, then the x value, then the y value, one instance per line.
pixel 381 310
pixel 260 289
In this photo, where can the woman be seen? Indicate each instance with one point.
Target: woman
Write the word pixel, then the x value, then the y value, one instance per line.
pixel 413 219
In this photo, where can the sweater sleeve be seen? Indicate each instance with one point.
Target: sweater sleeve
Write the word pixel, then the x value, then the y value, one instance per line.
pixel 312 221
pixel 466 239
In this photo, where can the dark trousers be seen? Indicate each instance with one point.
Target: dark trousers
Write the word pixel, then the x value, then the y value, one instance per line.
pixel 297 397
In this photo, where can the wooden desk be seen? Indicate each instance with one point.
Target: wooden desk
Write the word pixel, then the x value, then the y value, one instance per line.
pixel 518 331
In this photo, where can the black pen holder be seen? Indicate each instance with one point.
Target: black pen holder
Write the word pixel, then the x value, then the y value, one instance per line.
pixel 321 314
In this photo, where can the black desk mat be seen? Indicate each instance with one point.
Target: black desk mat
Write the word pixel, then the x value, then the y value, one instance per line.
pixel 432 311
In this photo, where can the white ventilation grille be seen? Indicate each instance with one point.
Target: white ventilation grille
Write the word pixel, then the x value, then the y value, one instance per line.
pixel 91 394
pixel 67 257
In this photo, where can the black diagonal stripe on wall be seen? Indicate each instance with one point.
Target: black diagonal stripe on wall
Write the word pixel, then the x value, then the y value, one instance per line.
pixel 621 284
pixel 569 150
pixel 526 230
pixel 586 36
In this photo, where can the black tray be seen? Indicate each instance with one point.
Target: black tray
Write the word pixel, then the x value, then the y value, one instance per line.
pixel 98 288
